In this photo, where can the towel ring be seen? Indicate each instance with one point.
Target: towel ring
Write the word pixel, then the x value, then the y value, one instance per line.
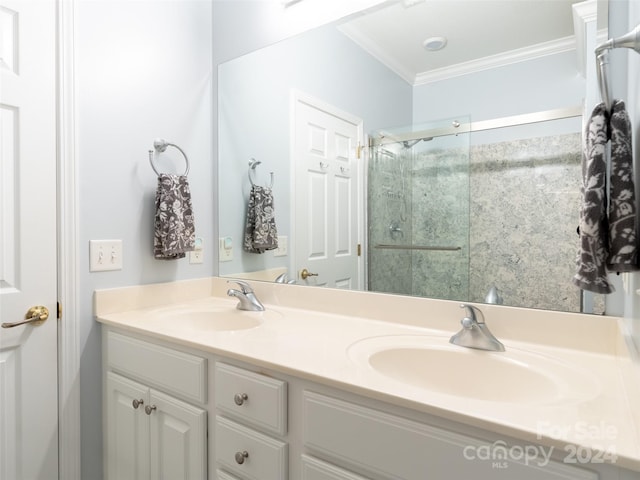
pixel 160 145
pixel 253 163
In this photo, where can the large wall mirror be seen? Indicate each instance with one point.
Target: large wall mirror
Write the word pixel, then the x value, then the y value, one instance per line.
pixel 414 150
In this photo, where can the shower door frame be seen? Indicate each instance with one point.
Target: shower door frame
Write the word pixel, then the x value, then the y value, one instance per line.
pixel 456 128
pixel 479 126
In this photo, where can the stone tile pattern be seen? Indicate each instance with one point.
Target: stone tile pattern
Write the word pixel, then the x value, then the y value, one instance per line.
pixel 525 198
pixel 389 204
pixel 511 207
pixel 440 179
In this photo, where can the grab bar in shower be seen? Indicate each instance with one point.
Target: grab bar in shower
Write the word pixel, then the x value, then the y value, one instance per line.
pixel 416 247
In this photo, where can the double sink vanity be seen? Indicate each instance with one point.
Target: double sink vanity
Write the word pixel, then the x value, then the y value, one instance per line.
pixel 339 385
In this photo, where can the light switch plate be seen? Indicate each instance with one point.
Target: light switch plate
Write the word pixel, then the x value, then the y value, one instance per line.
pixel 283 246
pixel 105 255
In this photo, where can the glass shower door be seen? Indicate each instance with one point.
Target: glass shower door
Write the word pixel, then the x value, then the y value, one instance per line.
pixel 418 211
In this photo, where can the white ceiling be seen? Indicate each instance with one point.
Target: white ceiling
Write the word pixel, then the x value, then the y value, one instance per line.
pixel 480 34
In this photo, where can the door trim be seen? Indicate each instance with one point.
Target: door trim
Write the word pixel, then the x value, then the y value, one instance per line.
pixel 67 187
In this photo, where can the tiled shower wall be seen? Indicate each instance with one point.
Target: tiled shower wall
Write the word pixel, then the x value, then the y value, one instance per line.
pixel 441 221
pixel 390 220
pixel 511 207
pixel 525 198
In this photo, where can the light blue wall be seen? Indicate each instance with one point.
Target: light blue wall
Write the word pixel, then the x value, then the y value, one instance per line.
pixel 541 84
pixel 143 71
pixel 256 122
pixel 535 85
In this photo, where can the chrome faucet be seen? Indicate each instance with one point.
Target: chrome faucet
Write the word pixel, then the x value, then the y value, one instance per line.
pixel 284 278
pixel 493 296
pixel 475 334
pixel 246 296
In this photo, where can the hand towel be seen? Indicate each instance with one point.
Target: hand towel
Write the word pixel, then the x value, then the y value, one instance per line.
pixel 623 254
pixel 174 232
pixel 260 232
pixel 591 271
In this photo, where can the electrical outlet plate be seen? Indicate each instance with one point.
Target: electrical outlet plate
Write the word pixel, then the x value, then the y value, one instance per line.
pixel 225 250
pixel 197 255
pixel 105 255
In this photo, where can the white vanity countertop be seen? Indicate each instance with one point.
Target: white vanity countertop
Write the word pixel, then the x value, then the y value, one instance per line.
pixel 316 343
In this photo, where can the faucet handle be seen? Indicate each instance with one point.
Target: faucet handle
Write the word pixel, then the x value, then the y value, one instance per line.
pixel 470 320
pixel 244 286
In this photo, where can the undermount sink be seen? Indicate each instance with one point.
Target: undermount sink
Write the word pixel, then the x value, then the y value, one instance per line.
pixel 210 318
pixel 432 363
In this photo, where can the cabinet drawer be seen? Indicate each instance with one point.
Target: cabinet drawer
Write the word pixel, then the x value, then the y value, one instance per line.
pixel 220 475
pixel 171 371
pixel 266 457
pixel 395 447
pixel 314 469
pixel 251 397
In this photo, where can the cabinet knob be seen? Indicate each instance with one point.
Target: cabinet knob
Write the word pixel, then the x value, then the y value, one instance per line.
pixel 241 456
pixel 149 408
pixel 240 398
pixel 136 403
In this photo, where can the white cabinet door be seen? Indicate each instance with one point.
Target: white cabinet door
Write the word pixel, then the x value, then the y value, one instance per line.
pixel 178 439
pixel 314 469
pixel 152 436
pixel 127 429
pixel 388 446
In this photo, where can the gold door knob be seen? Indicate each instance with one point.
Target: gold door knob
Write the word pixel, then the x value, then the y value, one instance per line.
pixel 304 274
pixel 35 316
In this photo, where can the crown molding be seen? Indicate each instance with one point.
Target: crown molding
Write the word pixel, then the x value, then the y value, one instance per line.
pixel 368 45
pixel 486 63
pixel 494 61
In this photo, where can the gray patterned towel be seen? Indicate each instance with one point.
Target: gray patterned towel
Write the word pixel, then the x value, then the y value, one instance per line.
pixel 623 254
pixel 591 273
pixel 174 232
pixel 260 232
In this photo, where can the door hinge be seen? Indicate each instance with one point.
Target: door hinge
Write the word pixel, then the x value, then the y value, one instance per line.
pixel 359 250
pixel 59 310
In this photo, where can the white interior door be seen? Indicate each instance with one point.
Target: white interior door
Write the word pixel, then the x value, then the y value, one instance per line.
pixel 28 352
pixel 328 208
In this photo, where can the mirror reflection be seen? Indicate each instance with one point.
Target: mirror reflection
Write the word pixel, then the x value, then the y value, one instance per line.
pixel 374 185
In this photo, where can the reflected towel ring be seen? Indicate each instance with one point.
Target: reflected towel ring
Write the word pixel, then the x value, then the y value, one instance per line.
pixel 160 145
pixel 253 163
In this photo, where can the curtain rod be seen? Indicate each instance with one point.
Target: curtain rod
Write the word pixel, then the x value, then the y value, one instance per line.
pixel 456 127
